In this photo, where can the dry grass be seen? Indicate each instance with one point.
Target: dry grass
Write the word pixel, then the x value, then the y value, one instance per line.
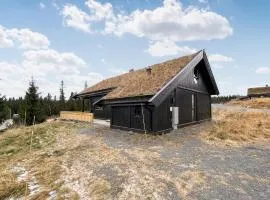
pixel 231 127
pixel 252 103
pixel 41 163
pixel 9 185
pixel 188 181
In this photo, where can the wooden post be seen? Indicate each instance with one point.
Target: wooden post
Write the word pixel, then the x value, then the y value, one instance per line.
pixel 90 106
pixel 83 105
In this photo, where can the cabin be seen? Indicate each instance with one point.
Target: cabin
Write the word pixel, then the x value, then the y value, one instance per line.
pixel 259 91
pixel 157 98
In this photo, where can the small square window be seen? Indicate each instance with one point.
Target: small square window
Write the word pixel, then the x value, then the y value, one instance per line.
pixel 99 108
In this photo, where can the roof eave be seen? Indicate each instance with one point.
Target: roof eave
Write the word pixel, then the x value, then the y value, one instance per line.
pixel 164 91
pixel 216 91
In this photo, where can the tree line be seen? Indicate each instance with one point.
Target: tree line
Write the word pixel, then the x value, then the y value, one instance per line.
pixel 24 109
pixel 224 99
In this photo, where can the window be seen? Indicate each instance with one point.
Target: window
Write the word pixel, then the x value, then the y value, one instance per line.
pixel 196 75
pixel 137 111
pixel 99 108
pixel 172 99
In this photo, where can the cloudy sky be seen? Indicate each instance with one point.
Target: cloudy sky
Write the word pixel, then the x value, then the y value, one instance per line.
pixel 89 40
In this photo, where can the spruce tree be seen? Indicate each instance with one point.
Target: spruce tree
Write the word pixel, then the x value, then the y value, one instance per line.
pixel 62 96
pixel 32 104
pixel 2 106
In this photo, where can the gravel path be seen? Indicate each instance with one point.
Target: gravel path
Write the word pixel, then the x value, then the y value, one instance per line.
pixel 111 164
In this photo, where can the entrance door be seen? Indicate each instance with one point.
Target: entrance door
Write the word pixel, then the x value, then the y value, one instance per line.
pixel 186 101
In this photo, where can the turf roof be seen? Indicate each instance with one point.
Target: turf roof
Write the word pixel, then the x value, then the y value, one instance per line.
pixel 140 82
pixel 259 90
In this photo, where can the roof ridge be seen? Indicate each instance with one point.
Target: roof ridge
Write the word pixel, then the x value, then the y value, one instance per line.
pixel 144 84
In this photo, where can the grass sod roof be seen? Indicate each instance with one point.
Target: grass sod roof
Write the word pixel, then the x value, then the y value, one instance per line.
pixel 139 82
pixel 259 90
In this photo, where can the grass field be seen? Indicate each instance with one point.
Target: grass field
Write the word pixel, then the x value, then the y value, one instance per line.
pixel 252 103
pixel 236 128
pixel 78 161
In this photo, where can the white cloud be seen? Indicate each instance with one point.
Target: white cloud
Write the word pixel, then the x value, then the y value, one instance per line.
pixel 45 61
pixel 263 70
pixel 99 11
pixel 24 38
pixel 76 18
pixel 168 48
pixel 48 67
pixel 171 21
pixel 203 1
pixel 218 58
pixel 42 5
pixel 5 41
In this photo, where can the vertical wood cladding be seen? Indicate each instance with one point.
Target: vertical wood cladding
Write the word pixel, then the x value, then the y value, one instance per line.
pixel 135 117
pixel 191 95
pixel 162 116
pixel 184 102
pixel 203 106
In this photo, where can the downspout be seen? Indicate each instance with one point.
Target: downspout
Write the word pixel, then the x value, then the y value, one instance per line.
pixel 143 118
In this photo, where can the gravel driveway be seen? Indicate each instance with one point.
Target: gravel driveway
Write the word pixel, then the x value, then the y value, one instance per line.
pixel 114 164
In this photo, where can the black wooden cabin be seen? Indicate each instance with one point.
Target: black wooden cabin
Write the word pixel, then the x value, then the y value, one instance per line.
pixel 158 98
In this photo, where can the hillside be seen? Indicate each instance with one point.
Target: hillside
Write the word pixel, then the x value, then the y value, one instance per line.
pixel 252 103
pixel 67 160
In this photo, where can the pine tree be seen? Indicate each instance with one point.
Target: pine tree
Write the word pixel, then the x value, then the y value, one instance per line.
pixel 32 104
pixel 2 106
pixel 62 96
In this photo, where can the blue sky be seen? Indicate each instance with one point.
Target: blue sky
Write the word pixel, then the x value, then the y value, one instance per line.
pixel 89 40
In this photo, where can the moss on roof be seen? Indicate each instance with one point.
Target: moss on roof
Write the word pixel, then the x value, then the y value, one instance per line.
pixel 140 82
pixel 259 90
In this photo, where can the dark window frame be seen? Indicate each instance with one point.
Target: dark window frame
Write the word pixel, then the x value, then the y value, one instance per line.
pixel 99 108
pixel 196 73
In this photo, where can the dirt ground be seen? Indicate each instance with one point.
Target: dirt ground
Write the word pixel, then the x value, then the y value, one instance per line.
pixel 101 163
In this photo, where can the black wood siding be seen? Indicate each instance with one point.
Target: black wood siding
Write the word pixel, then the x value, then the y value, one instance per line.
pixel 158 119
pixel 184 102
pixel 203 106
pixel 120 116
pixel 130 117
pixel 182 96
pixel 162 116
pixel 105 113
